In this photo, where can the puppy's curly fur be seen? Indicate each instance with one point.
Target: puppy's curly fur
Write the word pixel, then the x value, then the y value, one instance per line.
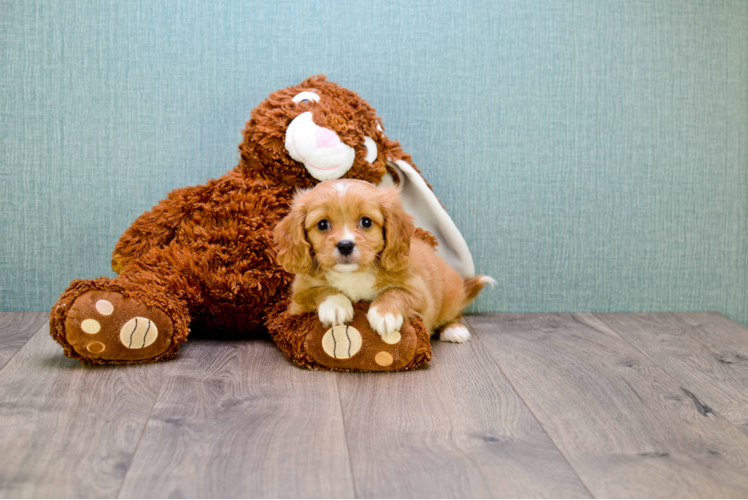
pixel 347 240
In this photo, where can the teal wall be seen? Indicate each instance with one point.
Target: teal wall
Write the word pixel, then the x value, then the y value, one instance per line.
pixel 595 153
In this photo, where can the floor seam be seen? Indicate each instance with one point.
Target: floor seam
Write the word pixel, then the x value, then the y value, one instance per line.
pixel 519 395
pixel 345 433
pixel 140 438
pixel 42 327
pixel 679 383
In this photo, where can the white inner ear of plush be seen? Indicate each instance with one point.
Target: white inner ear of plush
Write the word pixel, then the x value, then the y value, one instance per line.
pixel 371 149
pixel 322 162
pixel 306 95
pixel 420 202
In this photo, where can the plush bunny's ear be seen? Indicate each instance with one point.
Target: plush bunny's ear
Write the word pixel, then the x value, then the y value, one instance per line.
pixel 294 250
pixel 420 202
pixel 398 228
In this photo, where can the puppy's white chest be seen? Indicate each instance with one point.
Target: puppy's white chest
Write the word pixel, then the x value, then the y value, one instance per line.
pixel 356 286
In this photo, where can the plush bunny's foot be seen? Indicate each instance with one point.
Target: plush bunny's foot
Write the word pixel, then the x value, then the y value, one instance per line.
pixel 354 346
pixel 107 327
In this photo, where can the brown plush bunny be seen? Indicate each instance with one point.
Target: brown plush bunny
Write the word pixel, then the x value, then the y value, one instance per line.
pixel 205 258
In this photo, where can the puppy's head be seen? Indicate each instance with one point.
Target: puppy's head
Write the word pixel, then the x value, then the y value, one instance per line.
pixel 344 226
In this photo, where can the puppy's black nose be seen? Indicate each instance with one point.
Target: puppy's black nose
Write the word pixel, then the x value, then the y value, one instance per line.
pixel 345 247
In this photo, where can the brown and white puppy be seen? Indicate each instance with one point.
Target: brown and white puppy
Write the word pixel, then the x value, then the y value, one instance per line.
pixel 347 240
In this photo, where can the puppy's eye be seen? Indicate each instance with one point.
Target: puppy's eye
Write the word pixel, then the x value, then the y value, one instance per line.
pixel 365 222
pixel 323 225
pixel 306 96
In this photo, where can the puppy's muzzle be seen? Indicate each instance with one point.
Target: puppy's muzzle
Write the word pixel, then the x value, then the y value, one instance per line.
pixel 345 247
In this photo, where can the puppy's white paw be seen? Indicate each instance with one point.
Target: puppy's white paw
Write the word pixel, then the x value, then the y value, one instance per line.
pixel 384 324
pixel 458 334
pixel 335 309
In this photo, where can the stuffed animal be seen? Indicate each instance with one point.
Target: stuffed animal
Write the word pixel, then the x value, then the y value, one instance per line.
pixel 204 258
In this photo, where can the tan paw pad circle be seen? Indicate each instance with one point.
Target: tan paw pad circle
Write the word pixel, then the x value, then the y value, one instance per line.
pixel 90 326
pixel 383 358
pixel 392 338
pixel 95 347
pixel 138 333
pixel 104 307
pixel 341 342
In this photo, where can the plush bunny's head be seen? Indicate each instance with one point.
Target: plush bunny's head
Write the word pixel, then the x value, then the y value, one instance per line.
pixel 313 132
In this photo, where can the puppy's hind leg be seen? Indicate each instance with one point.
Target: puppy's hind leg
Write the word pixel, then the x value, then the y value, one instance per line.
pixel 454 331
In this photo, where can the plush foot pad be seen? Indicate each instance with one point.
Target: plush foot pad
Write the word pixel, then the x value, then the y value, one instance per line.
pixel 108 326
pixel 351 347
pixel 356 346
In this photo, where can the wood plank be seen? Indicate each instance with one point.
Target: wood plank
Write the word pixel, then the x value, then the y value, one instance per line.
pixel 238 420
pixel 67 429
pixel 455 429
pixel 707 352
pixel 626 426
pixel 16 328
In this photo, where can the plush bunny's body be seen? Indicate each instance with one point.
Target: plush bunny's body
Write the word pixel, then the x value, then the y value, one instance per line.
pixel 205 258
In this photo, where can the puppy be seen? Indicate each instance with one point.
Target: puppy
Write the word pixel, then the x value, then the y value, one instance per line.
pixel 347 240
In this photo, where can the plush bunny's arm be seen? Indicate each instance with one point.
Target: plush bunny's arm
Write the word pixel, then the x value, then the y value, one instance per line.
pixel 156 227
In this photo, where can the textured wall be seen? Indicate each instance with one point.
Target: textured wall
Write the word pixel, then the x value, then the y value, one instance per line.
pixel 594 153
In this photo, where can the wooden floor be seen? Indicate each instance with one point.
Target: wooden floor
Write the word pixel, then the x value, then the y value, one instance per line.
pixel 538 405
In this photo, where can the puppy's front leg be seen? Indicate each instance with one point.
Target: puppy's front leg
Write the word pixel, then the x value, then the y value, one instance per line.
pixel 387 312
pixel 330 304
pixel 335 309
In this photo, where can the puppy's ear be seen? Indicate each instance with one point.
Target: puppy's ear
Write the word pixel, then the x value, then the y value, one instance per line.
pixel 294 251
pixel 398 228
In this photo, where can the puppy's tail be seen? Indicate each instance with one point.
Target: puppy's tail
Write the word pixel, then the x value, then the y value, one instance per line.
pixel 473 286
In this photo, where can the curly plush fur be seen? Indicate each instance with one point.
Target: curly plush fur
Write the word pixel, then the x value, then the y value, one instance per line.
pixel 205 255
